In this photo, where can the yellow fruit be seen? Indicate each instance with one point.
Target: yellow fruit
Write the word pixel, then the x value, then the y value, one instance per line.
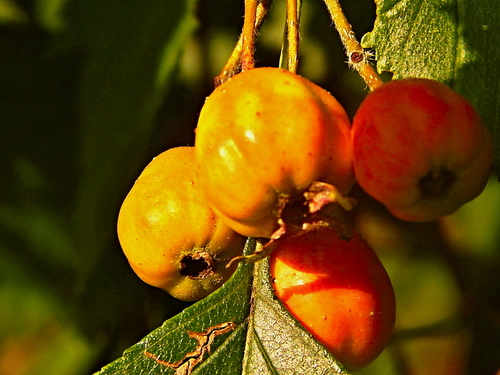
pixel 170 236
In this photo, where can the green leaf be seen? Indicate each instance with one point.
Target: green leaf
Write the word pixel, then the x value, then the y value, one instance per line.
pixel 452 41
pixel 276 342
pixel 265 340
pixel 123 82
pixel 171 342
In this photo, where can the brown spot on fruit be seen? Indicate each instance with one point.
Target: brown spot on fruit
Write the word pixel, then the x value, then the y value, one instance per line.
pixel 198 265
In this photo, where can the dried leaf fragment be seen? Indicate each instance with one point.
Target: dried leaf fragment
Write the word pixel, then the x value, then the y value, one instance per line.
pixel 205 340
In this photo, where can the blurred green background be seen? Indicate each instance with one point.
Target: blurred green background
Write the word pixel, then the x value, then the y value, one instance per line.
pixel 90 91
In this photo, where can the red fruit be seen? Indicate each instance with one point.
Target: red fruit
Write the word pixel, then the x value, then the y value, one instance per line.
pixel 339 290
pixel 420 149
pixel 262 138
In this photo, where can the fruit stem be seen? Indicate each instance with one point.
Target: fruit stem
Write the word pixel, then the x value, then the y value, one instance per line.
pixel 292 34
pixel 358 57
pixel 262 251
pixel 233 63
pixel 248 34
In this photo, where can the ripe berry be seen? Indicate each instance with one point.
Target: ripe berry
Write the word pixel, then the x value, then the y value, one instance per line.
pixel 171 238
pixel 420 149
pixel 339 290
pixel 263 137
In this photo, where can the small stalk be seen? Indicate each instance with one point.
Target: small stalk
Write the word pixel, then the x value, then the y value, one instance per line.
pixel 358 58
pixel 290 47
pixel 292 33
pixel 248 33
pixel 234 63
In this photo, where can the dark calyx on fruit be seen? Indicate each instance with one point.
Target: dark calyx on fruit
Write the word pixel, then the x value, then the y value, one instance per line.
pixel 198 265
pixel 437 183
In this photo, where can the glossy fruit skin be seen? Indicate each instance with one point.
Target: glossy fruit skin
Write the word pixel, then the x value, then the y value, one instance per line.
pixel 420 149
pixel 165 220
pixel 339 291
pixel 265 135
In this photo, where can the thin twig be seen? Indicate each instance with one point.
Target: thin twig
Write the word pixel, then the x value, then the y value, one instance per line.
pixel 292 25
pixel 358 58
pixel 248 33
pixel 233 64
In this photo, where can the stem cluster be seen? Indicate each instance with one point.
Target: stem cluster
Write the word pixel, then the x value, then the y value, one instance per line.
pixel 243 55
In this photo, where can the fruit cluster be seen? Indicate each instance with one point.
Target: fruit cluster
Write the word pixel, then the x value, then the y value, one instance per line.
pixel 274 158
